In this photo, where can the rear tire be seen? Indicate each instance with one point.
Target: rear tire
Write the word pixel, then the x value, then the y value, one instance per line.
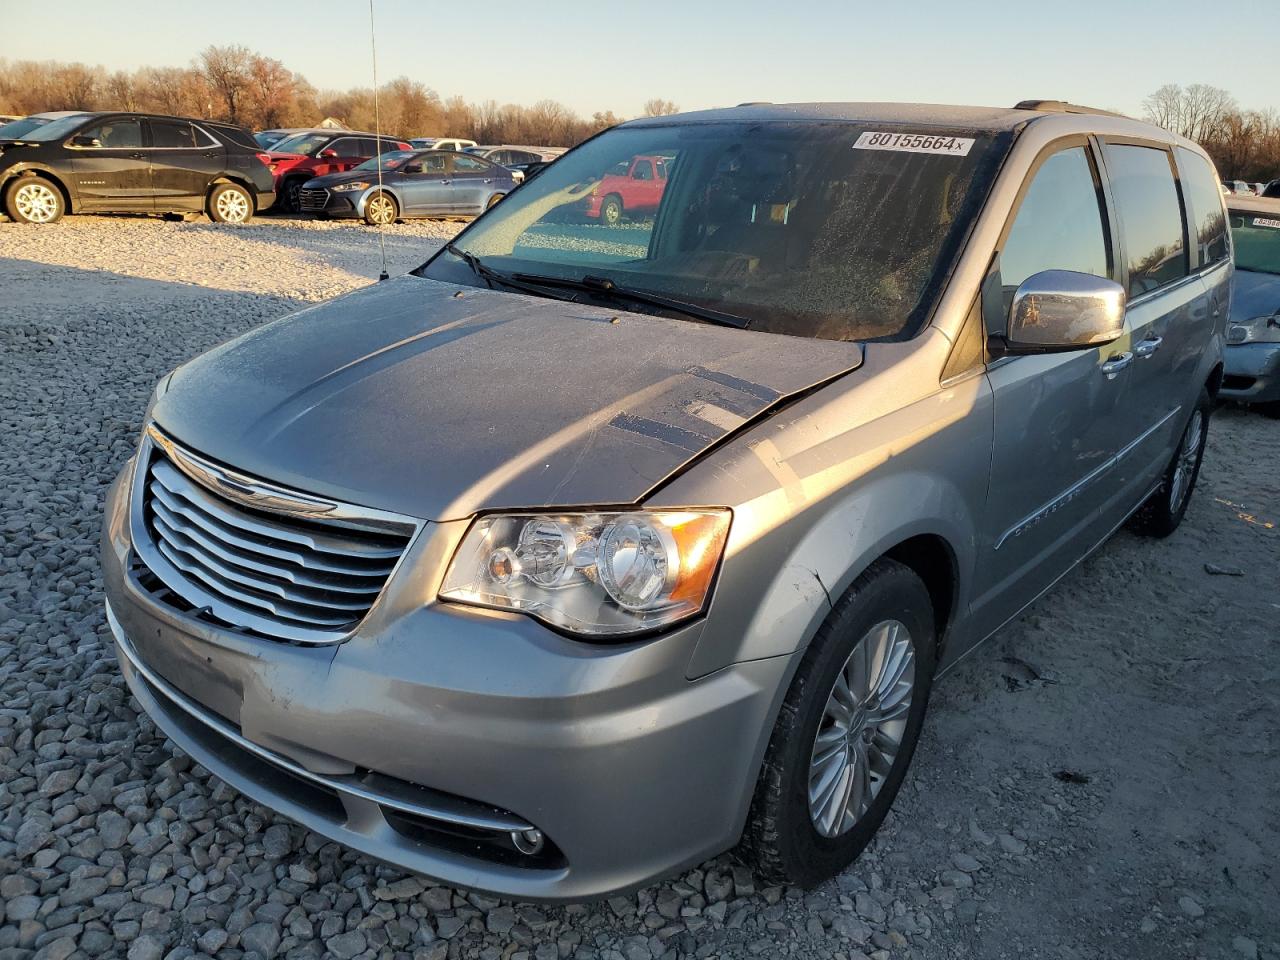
pixel 493 201
pixel 793 834
pixel 230 203
pixel 381 209
pixel 1163 511
pixel 34 200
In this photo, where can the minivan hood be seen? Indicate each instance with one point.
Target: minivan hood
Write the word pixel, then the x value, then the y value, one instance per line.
pixel 435 401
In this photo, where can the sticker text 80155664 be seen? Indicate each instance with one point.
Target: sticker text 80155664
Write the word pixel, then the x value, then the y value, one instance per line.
pixel 915 143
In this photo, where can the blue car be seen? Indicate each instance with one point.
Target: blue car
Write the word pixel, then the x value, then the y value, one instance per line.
pixel 1252 356
pixel 414 183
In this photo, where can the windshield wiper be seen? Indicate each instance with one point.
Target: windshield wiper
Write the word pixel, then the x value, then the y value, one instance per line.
pixel 603 286
pixel 491 276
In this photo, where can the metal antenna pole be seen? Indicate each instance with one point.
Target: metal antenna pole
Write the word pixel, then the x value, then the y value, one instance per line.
pixel 377 129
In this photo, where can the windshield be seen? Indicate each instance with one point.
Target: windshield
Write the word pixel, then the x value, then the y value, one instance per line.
pixel 390 160
pixel 15 129
pixel 266 138
pixel 304 143
pixel 1256 238
pixel 838 231
pixel 53 129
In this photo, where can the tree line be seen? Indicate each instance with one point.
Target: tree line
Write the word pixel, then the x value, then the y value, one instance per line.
pixel 1244 144
pixel 235 84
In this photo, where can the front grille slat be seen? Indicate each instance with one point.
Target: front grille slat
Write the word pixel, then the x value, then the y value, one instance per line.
pixel 246 596
pixel 313 199
pixel 228 572
pixel 281 575
pixel 343 546
pixel 293 570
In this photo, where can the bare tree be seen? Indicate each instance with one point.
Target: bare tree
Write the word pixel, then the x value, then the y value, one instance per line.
pixel 269 93
pixel 659 108
pixel 228 70
pixel 1196 112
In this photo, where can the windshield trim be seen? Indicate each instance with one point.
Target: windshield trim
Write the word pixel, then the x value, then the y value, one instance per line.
pixel 952 250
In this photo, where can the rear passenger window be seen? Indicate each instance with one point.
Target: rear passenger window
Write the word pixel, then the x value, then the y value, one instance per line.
pixel 1059 224
pixel 1204 201
pixel 1150 214
pixel 170 133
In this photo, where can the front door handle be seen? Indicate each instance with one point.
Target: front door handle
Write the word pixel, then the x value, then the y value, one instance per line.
pixel 1147 347
pixel 1117 363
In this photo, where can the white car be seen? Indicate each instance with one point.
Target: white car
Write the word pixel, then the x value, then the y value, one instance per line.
pixel 456 144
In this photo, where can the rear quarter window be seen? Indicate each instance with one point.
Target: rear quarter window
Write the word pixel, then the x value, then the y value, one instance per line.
pixel 1205 212
pixel 1150 214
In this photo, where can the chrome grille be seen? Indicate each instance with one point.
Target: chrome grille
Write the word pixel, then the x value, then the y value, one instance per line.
pixel 274 573
pixel 312 199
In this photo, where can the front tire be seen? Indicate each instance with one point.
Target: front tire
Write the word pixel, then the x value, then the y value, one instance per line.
pixel 230 203
pixel 381 210
pixel 846 731
pixel 611 210
pixel 292 199
pixel 34 200
pixel 1163 511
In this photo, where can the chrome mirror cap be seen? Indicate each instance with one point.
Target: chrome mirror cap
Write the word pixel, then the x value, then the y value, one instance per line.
pixel 1063 310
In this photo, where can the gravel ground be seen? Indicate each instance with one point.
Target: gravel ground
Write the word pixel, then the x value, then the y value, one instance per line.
pixel 1098 781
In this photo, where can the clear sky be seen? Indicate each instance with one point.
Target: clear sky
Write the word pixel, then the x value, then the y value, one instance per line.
pixel 605 54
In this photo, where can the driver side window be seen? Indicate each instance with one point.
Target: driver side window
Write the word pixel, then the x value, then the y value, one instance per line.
pixel 1059 224
pixel 116 134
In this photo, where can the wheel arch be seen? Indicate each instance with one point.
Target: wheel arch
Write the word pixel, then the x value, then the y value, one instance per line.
pixel 239 181
pixel 69 201
pixel 1214 381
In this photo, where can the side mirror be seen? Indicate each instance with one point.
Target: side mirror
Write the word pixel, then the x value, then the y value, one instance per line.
pixel 328 154
pixel 83 141
pixel 1060 310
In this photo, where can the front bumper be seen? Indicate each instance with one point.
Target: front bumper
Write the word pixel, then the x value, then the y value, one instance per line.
pixel 628 769
pixel 331 203
pixel 1251 372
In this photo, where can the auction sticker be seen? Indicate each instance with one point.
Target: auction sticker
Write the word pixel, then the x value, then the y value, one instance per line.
pixel 915 143
pixel 1266 222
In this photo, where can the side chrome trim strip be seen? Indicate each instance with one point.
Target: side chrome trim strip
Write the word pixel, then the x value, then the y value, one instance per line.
pixel 1073 491
pixel 497 821
pixel 270 498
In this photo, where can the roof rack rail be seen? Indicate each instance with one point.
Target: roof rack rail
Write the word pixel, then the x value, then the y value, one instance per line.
pixel 1062 106
pixel 757 103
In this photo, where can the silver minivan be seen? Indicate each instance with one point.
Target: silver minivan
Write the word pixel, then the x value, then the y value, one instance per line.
pixel 588 551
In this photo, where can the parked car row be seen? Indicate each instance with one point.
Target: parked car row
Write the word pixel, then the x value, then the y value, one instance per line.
pixel 53 164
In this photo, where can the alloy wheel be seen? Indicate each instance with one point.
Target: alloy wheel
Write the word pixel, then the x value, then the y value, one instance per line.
pixel 382 210
pixel 36 202
pixel 233 206
pixel 862 727
pixel 1185 465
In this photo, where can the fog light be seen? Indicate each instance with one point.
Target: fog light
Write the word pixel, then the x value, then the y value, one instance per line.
pixel 528 842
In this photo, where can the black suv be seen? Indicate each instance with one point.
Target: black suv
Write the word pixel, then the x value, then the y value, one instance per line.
pixel 133 163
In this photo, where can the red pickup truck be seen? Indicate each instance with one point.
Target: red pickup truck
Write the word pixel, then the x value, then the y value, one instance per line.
pixel 296 159
pixel 633 189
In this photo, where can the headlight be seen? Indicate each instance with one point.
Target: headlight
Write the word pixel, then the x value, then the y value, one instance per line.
pixel 1257 330
pixel 595 574
pixel 347 187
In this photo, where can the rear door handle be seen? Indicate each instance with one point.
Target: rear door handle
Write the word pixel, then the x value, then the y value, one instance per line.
pixel 1117 363
pixel 1147 347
